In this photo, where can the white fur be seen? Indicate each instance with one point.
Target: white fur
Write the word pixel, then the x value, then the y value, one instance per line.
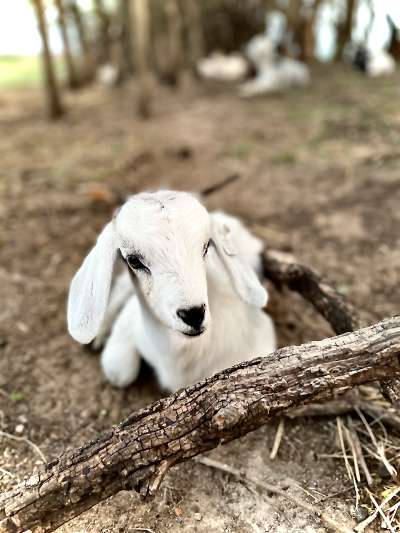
pixel 274 73
pixel 381 63
pixel 169 229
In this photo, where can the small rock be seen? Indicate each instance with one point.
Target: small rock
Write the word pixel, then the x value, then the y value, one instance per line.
pixel 198 516
pixel 359 513
pixel 19 428
pixel 383 472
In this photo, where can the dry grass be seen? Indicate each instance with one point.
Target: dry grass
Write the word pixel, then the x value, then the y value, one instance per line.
pixel 370 449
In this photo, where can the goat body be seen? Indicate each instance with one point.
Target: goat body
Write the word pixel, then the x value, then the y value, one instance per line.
pixel 274 73
pixel 176 271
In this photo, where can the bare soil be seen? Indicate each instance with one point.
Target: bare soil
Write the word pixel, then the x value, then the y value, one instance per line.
pixel 319 175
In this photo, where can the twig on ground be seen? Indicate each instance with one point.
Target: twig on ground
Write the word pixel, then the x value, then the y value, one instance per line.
pixel 216 187
pixel 341 441
pixel 380 449
pixel 26 441
pixel 350 442
pixel 6 472
pixel 360 455
pixel 278 439
pixel 380 511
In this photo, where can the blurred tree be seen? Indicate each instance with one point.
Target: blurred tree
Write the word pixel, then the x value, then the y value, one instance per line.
pixel 307 37
pixel 344 29
pixel 126 36
pixel 141 42
pixel 174 32
pixel 194 32
pixel 103 44
pixel 76 15
pixel 55 107
pixel 394 43
pixel 72 76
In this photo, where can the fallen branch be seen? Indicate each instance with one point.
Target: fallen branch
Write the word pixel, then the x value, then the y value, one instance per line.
pixel 137 453
pixel 283 269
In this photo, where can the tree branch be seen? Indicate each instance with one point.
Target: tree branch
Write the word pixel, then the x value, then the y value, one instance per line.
pixel 283 269
pixel 138 452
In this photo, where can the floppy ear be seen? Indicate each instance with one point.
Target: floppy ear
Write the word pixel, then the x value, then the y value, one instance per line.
pixel 240 271
pixel 90 288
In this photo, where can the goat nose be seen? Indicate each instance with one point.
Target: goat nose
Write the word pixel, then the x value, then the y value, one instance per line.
pixel 192 316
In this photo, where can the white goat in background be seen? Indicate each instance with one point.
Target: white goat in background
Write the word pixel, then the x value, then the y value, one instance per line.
pixel 195 305
pixel 223 67
pixel 374 63
pixel 274 73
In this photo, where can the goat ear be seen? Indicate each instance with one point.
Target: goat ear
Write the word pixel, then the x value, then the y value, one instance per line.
pixel 243 276
pixel 90 288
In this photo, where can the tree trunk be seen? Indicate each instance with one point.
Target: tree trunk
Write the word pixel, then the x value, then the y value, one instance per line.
pixel 174 32
pixel 55 107
pixel 103 33
pixel 137 453
pixel 141 17
pixel 394 43
pixel 344 30
pixel 308 34
pixel 73 81
pixel 126 37
pixel 194 33
pixel 84 44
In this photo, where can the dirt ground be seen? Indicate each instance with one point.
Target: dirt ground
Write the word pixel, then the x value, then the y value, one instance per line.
pixel 319 174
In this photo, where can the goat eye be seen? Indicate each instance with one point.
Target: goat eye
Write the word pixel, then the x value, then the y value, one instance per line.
pixel 206 247
pixel 135 263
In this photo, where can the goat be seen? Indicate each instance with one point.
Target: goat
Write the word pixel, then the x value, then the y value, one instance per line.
pixel 274 73
pixel 374 63
pixel 195 305
pixel 223 67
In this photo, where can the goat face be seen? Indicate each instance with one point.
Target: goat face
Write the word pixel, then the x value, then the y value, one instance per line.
pixel 164 238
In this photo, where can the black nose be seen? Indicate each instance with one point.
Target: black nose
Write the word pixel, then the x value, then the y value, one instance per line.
pixel 192 316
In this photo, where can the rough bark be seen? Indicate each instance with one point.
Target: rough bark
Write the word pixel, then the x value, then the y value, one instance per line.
pixel 55 107
pixel 137 453
pixel 141 31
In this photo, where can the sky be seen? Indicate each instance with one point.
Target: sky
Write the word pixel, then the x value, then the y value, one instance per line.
pixel 19 36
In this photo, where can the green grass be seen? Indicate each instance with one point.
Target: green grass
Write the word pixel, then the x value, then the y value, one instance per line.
pixel 22 72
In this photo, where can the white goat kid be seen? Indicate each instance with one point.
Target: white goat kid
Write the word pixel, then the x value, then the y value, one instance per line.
pixel 196 306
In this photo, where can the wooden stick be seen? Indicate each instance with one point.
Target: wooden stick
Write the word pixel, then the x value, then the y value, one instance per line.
pixel 283 269
pixel 138 452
